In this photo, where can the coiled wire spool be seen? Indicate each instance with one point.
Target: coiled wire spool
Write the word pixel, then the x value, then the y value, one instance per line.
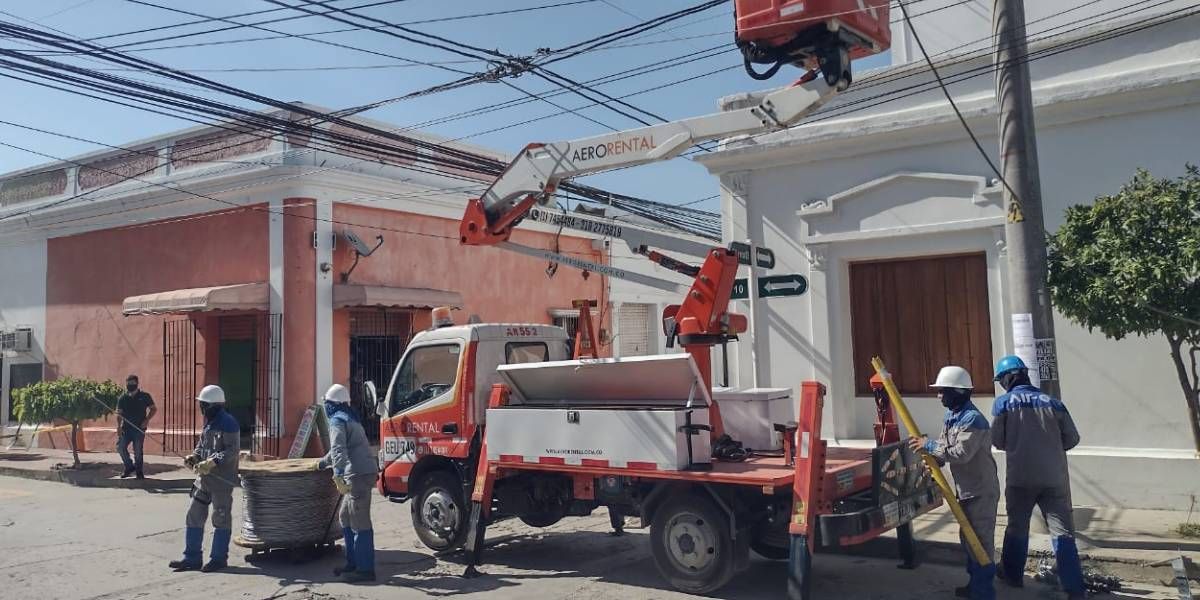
pixel 287 505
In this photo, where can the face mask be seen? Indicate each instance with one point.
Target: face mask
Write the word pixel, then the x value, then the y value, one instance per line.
pixel 210 410
pixel 131 387
pixel 953 399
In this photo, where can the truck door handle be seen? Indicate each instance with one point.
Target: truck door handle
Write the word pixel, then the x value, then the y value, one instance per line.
pixel 450 428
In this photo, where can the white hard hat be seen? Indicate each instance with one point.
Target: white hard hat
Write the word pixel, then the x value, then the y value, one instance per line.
pixel 953 377
pixel 212 394
pixel 338 394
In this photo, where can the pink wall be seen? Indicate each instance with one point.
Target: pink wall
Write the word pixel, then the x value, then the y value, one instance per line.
pixel 88 276
pixel 299 315
pixel 498 285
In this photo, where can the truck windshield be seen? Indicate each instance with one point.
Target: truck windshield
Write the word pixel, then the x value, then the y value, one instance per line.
pixel 427 372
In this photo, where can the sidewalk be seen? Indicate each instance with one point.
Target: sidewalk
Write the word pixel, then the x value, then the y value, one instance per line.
pixel 97 469
pixel 1135 545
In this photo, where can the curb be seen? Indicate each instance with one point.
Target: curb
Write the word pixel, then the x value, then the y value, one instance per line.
pixel 93 479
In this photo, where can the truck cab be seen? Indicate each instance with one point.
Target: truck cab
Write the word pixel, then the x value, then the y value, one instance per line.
pixel 431 414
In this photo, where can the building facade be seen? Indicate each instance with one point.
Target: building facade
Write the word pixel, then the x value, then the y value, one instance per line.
pixel 887 209
pixel 233 259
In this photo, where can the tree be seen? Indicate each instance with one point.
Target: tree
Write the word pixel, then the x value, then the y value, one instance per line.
pixel 69 399
pixel 1129 264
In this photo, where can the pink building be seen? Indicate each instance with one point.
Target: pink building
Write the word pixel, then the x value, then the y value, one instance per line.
pixel 228 262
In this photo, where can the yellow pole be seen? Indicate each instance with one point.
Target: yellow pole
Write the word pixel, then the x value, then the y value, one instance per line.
pixel 981 556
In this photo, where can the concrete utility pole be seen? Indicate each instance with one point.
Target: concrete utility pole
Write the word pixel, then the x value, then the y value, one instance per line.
pixel 1032 317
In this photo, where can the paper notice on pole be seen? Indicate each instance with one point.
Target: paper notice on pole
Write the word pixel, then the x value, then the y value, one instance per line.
pixel 1047 357
pixel 1024 344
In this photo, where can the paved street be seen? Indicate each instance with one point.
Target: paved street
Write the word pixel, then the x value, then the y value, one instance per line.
pixel 62 542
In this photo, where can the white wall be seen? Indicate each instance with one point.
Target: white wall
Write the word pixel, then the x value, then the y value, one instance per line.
pixel 823 195
pixel 621 291
pixel 953 27
pixel 22 303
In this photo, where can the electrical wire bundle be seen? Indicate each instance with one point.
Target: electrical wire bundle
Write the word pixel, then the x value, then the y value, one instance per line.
pixel 287 505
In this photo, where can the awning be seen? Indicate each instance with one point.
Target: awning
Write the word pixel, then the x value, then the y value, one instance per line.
pixel 239 296
pixel 348 295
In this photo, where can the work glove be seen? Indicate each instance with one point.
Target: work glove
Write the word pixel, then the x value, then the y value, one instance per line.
pixel 343 486
pixel 190 461
pixel 205 467
pixel 316 465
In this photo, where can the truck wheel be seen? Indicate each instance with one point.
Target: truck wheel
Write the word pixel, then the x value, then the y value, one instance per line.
pixel 542 519
pixel 440 514
pixel 691 543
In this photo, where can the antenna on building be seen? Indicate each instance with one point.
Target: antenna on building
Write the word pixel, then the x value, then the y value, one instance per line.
pixel 360 250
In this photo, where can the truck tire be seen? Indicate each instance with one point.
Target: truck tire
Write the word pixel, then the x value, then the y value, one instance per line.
pixel 542 519
pixel 439 512
pixel 691 542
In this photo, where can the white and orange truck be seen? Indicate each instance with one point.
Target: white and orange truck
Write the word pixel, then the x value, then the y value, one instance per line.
pixel 482 422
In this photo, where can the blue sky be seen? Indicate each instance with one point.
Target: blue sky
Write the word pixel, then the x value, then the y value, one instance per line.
pixel 345 82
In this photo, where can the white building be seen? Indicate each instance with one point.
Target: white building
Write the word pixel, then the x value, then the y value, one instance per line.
pixel 897 222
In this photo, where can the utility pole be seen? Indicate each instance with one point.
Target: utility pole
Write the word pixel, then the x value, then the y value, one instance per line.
pixel 1024 229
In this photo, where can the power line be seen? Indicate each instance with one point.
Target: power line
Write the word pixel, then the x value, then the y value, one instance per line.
pixel 954 105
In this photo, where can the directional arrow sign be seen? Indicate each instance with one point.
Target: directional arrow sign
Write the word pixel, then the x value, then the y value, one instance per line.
pixel 763 257
pixel 773 286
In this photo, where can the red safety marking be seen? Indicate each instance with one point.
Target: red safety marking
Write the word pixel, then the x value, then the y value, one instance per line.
pixel 641 466
pixel 512 458
pixel 552 460
pixel 593 462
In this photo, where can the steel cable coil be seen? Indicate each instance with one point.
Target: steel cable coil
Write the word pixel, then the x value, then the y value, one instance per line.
pixel 288 505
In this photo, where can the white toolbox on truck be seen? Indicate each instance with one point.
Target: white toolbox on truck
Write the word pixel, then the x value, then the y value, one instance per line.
pixel 750 415
pixel 632 412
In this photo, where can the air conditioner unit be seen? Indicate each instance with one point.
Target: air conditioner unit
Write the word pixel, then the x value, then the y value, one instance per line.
pixel 24 339
pixel 17 340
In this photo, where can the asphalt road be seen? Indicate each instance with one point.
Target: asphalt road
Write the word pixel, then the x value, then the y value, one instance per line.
pixel 64 542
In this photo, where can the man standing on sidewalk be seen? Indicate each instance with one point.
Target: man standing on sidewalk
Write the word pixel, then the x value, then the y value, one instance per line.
pixel 135 408
pixel 1035 431
pixel 965 444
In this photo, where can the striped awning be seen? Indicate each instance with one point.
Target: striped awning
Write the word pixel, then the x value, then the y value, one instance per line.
pixel 239 296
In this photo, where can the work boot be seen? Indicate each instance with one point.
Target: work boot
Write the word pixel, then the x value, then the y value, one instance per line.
pixel 127 473
pixel 219 557
pixel 213 565
pixel 962 592
pixel 192 552
pixel 364 558
pixel 141 475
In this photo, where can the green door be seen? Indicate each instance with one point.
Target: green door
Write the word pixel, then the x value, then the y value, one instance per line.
pixel 236 377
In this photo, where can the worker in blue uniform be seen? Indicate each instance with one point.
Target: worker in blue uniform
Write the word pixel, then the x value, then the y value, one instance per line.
pixel 355 471
pixel 965 444
pixel 1035 431
pixel 215 461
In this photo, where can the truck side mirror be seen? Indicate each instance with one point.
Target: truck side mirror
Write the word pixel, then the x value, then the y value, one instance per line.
pixel 372 397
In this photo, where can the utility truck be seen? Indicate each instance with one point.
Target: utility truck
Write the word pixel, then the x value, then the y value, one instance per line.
pixel 482 422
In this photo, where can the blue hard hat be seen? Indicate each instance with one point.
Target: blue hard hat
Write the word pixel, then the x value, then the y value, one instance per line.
pixel 1008 364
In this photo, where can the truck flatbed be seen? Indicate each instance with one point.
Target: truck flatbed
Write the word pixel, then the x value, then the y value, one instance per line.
pixel 849 468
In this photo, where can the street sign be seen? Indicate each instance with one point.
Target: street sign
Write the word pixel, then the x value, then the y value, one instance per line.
pixel 740 289
pixel 775 286
pixel 772 286
pixel 763 257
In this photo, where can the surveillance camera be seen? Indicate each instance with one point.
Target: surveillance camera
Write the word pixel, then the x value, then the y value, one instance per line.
pixel 357 243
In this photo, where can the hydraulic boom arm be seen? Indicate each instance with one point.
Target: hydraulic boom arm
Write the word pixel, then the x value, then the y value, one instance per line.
pixel 532 177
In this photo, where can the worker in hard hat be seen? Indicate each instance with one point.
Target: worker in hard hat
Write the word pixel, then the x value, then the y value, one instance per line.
pixel 965 444
pixel 354 473
pixel 215 461
pixel 1035 431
